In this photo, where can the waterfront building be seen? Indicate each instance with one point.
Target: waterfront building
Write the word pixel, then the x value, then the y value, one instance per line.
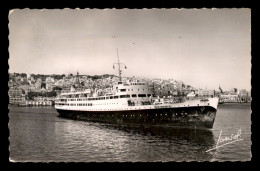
pixel 229 98
pixel 206 93
pixel 17 100
pixel 16 95
pixel 42 99
pixel 235 96
pixel 37 103
pixel 39 98
pixel 15 91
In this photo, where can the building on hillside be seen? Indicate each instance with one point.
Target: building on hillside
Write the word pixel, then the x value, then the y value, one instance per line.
pixel 234 91
pixel 38 84
pixel 49 83
pixel 28 76
pixel 191 95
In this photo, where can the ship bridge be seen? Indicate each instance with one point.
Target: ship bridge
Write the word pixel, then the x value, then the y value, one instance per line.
pixel 123 88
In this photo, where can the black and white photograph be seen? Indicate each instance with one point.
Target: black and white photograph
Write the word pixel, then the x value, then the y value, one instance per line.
pixel 129 85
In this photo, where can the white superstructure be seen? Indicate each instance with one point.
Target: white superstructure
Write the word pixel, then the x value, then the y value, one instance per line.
pixel 122 96
pixel 126 96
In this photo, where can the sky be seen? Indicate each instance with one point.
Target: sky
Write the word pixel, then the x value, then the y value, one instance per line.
pixel 204 48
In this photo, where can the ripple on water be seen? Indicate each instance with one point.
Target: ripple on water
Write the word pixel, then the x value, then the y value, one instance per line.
pixel 37 134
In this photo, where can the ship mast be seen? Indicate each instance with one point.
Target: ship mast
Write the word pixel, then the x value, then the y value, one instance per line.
pixel 119 69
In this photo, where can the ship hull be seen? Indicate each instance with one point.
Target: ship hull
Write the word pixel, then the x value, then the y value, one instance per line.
pixel 187 117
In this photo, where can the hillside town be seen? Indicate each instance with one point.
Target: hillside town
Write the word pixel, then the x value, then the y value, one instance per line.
pixel 41 90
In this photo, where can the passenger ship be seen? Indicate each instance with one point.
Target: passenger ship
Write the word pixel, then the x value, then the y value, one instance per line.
pixel 134 103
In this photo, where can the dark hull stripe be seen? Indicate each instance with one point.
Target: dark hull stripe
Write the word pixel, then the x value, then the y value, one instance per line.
pixel 188 117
